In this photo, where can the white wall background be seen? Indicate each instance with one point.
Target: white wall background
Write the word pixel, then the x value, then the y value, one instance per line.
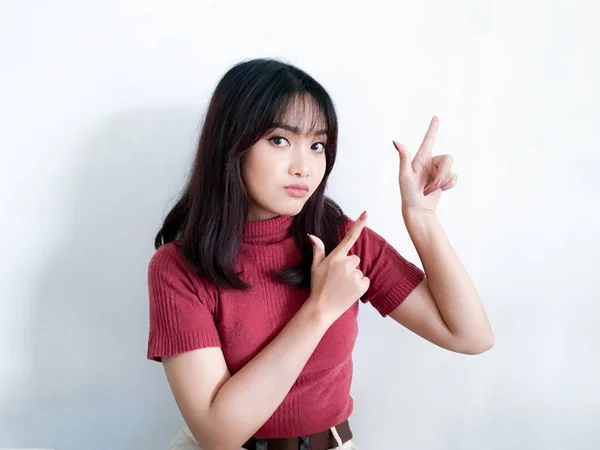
pixel 101 107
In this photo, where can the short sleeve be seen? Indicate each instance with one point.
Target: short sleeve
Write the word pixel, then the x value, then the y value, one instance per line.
pixel 181 319
pixel 392 276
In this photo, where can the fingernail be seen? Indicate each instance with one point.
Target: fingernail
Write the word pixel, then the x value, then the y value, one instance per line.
pixel 363 216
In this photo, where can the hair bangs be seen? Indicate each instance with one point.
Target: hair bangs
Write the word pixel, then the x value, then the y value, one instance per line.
pixel 303 111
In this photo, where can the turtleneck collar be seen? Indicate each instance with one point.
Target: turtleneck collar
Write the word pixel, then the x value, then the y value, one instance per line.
pixel 268 231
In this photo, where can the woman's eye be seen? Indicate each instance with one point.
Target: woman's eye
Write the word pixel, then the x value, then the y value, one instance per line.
pixel 279 141
pixel 318 146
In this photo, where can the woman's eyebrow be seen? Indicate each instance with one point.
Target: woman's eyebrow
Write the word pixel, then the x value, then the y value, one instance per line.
pixel 296 130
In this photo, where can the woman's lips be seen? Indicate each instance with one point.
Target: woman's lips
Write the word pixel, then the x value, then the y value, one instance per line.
pixel 296 191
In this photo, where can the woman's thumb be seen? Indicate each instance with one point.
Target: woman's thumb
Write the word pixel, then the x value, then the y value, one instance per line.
pixel 318 249
pixel 404 155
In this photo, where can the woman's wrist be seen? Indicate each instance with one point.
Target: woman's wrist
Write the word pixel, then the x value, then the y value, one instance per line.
pixel 317 313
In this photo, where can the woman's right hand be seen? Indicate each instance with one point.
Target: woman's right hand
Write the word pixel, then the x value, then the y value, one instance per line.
pixel 336 281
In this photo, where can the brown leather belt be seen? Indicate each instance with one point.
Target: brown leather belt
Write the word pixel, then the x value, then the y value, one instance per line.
pixel 323 440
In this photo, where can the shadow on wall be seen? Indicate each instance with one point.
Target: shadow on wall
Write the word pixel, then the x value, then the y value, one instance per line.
pixel 91 385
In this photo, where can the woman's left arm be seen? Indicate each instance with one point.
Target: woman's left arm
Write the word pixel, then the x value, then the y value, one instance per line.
pixel 445 308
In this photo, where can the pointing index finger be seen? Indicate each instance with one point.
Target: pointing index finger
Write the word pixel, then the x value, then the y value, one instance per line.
pixel 353 234
pixel 427 145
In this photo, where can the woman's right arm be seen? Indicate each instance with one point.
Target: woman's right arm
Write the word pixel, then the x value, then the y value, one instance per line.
pixel 224 411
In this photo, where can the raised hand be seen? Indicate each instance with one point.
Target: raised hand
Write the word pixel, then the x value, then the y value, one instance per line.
pixel 423 180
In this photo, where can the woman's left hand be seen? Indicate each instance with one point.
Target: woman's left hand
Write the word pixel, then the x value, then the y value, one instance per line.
pixel 423 180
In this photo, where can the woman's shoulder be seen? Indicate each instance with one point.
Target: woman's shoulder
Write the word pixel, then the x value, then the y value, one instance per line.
pixel 167 254
pixel 168 262
pixel 168 267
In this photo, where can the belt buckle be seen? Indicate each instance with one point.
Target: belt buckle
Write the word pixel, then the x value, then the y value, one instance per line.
pixel 304 442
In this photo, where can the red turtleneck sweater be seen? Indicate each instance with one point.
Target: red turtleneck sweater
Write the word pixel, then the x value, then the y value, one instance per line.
pixel 187 313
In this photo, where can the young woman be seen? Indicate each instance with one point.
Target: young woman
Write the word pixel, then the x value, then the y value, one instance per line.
pixel 255 283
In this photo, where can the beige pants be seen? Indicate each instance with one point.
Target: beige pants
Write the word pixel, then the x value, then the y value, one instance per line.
pixel 185 441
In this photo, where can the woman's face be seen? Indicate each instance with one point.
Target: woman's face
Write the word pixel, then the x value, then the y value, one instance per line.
pixel 285 166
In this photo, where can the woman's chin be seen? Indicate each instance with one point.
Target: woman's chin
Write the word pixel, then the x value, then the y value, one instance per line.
pixel 291 210
pixel 288 208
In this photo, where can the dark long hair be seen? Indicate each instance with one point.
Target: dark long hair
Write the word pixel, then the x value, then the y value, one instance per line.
pixel 209 217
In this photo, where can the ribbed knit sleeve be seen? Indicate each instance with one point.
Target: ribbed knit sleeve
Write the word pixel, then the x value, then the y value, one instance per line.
pixel 392 276
pixel 181 319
